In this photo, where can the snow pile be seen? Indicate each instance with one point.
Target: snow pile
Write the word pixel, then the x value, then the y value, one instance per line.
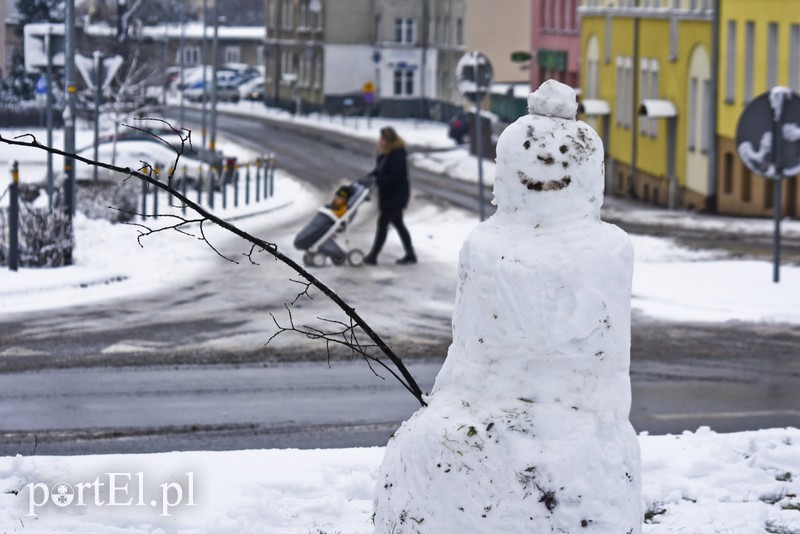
pixel 694 483
pixel 527 426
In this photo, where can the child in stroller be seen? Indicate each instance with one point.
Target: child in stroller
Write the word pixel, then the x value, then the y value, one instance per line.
pixel 318 237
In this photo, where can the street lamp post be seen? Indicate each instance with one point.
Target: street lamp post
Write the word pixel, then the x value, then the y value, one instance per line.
pixel 49 47
pixel 205 68
pixel 181 53
pixel 98 95
pixel 215 67
pixel 69 115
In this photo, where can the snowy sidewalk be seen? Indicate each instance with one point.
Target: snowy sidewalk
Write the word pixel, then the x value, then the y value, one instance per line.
pixel 698 483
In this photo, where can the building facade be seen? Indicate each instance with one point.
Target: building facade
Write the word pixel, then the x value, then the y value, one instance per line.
pixel 555 42
pixel 294 51
pixel 11 42
pixel 647 87
pixel 355 56
pixel 759 49
pixel 498 29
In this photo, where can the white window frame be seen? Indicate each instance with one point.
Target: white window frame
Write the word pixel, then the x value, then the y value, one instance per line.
pixel 772 54
pixel 303 22
pixel 190 55
pixel 691 123
pixel 655 80
pixel 403 82
pixel 749 59
pixel 405 30
pixel 730 64
pixel 629 74
pixel 287 15
pixel 620 119
pixel 794 57
pixel 624 91
pixel 273 13
pixel 317 72
pixel 644 80
pixel 233 54
pixel 706 131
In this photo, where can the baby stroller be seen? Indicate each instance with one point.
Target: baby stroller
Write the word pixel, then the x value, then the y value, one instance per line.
pixel 318 237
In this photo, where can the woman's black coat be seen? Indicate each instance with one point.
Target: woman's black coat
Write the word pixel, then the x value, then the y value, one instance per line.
pixel 391 175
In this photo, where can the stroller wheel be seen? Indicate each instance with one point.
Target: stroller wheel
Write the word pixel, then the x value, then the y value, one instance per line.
pixel 308 259
pixel 318 259
pixel 355 257
pixel 339 260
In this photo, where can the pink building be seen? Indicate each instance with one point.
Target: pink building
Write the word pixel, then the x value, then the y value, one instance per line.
pixel 555 42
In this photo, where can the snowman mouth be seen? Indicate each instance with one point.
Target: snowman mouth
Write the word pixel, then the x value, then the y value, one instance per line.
pixel 539 185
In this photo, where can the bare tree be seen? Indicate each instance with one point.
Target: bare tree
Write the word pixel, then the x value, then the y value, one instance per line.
pixel 355 334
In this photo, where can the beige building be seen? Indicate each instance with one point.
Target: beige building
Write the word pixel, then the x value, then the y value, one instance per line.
pixel 497 29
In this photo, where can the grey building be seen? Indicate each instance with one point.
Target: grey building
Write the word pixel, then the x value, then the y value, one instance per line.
pixel 420 42
pixel 396 56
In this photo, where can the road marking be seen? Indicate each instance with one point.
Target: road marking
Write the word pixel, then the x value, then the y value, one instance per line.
pixel 726 415
pixel 22 351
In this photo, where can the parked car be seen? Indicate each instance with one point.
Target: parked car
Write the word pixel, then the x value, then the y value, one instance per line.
pixel 459 127
pixel 226 92
pixel 256 92
pixel 247 87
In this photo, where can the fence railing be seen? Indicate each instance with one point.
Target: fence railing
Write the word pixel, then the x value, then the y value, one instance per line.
pixel 224 184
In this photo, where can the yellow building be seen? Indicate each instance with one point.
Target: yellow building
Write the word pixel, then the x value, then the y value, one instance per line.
pixel 646 87
pixel 759 48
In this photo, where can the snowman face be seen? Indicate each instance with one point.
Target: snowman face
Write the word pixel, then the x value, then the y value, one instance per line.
pixel 545 161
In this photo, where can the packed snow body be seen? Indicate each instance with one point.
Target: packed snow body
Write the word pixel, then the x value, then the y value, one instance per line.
pixel 527 425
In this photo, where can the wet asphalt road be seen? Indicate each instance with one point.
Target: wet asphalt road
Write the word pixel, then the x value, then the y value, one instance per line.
pixel 62 392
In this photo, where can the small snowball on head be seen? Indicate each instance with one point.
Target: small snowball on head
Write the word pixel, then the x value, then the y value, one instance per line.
pixel 553 99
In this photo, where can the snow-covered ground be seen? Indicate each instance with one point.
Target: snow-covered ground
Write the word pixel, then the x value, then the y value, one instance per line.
pixel 699 482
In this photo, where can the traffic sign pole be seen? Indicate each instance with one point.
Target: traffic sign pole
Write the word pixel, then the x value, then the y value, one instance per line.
pixel 479 145
pixel 474 77
pixel 777 138
pixel 50 181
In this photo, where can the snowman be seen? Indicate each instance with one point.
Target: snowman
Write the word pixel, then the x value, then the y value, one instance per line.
pixel 526 429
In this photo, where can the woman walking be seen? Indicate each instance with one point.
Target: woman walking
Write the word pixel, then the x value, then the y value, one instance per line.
pixel 391 176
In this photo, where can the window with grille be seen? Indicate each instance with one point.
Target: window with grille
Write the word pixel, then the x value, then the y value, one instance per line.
pixel 233 54
pixel 404 30
pixel 403 82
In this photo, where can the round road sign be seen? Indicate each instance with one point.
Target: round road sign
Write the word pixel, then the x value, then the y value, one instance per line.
pixel 768 134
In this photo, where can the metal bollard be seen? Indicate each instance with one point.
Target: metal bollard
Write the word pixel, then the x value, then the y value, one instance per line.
pixel 183 189
pixel 211 178
pixel 247 186
pixel 266 176
pixel 13 216
pixel 223 184
pixel 144 200
pixel 259 164
pixel 236 187
pixel 199 184
pixel 272 174
pixel 155 193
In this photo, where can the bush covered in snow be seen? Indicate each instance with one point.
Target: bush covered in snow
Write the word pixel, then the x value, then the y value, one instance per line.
pixel 45 238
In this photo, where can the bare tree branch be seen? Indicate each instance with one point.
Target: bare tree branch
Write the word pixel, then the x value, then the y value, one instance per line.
pixel 344 336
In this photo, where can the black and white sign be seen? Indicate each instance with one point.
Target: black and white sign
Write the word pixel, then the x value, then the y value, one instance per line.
pixel 474 76
pixel 768 134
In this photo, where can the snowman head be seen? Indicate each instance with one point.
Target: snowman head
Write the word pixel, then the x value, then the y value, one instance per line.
pixel 549 165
